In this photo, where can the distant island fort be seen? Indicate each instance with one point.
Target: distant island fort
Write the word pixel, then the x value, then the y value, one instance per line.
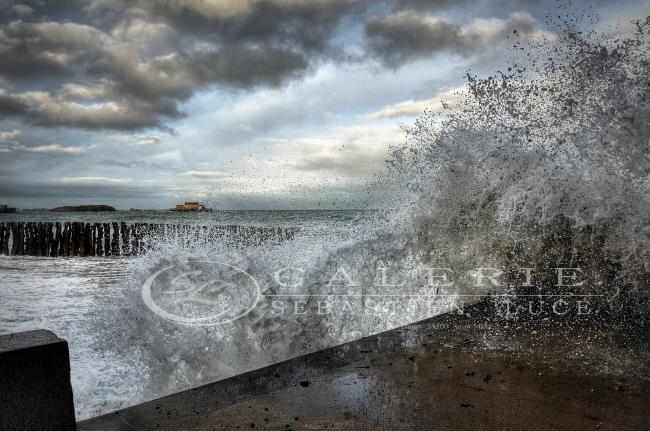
pixel 189 207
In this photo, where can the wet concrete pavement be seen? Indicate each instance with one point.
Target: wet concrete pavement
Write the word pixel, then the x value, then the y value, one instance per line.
pixel 448 373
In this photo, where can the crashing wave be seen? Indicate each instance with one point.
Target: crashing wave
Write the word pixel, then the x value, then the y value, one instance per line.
pixel 542 165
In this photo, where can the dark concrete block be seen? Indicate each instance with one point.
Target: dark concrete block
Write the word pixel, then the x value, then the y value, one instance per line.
pixel 35 390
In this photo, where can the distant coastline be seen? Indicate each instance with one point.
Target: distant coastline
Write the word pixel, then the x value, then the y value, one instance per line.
pixel 83 208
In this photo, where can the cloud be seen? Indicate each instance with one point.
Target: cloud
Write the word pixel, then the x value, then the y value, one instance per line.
pixel 408 35
pixel 203 174
pixel 408 108
pixel 92 180
pixel 127 65
pixel 306 25
pixel 414 108
pixel 22 9
pixel 53 149
pixel 13 8
pixel 350 151
pixel 149 140
pixel 117 85
pixel 29 50
pixel 63 108
pixel 168 156
pixel 10 136
pixel 11 105
pixel 235 67
pixel 8 140
pixel 132 164
pixel 9 143
pixel 131 65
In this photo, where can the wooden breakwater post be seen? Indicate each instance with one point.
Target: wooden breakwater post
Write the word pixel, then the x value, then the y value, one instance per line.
pixel 66 239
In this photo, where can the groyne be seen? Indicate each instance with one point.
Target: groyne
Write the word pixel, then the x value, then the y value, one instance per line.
pixel 64 239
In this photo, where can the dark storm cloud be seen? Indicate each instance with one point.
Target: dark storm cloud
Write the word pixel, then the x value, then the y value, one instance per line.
pixel 128 95
pixel 54 109
pixel 129 65
pixel 307 25
pixel 408 35
pixel 29 50
pixel 10 106
pixel 177 75
pixel 246 67
pixel 134 73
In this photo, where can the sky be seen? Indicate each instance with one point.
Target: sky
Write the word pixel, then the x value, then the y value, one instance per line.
pixel 243 104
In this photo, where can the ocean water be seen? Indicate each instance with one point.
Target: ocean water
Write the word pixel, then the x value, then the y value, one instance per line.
pixel 312 221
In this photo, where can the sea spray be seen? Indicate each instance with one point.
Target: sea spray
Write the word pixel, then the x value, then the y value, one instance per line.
pixel 560 134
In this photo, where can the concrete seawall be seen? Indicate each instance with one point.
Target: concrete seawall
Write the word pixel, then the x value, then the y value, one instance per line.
pixel 35 390
pixel 121 239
